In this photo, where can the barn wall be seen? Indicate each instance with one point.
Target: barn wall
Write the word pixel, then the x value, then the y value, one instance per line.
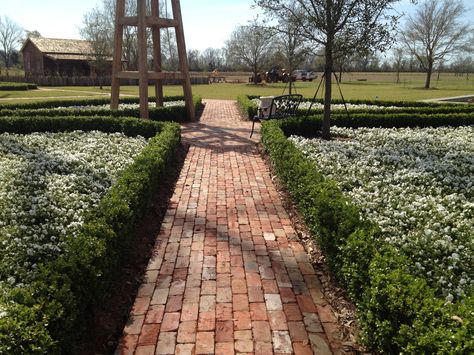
pixel 32 60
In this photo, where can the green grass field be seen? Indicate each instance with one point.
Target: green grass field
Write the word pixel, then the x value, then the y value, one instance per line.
pixel 381 86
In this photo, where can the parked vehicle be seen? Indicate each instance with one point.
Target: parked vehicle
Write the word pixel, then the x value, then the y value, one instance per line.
pixel 311 75
pixel 276 74
pixel 303 75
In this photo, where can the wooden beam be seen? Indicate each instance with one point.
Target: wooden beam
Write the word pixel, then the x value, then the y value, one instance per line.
pixel 151 21
pixel 183 60
pixel 117 61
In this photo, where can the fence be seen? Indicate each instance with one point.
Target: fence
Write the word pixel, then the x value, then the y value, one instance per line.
pixel 88 81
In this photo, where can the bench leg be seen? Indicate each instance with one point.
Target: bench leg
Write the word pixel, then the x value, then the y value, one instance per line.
pixel 253 125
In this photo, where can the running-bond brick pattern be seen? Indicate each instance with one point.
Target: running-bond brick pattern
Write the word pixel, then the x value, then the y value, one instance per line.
pixel 227 275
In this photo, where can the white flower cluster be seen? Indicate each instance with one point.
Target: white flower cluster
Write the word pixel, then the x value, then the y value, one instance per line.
pixel 418 186
pixel 49 181
pixel 305 105
pixel 121 106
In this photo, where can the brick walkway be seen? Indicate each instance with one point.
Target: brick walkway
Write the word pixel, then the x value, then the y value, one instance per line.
pixel 227 275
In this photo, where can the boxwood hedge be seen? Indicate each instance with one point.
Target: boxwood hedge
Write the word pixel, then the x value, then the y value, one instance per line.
pixel 45 316
pixel 398 312
pixel 7 86
pixel 61 109
pixel 417 110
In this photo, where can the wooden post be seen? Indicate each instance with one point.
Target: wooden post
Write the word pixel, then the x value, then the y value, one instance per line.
pixel 156 36
pixel 142 59
pixel 142 22
pixel 183 60
pixel 117 63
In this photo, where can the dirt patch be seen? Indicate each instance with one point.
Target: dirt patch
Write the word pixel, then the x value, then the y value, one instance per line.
pixel 107 320
pixel 334 293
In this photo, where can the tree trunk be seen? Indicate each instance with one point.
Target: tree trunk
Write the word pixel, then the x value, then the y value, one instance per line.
pixel 398 76
pixel 429 71
pixel 328 69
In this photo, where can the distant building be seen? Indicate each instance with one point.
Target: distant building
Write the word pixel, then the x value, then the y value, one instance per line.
pixel 58 57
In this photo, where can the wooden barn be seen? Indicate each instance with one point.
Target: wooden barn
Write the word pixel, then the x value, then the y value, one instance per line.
pixel 58 57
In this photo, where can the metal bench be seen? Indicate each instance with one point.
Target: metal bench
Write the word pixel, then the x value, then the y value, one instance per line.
pixel 280 107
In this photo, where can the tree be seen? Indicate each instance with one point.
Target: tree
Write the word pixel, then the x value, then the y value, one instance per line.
pixel 193 59
pixel 435 32
pixel 398 60
pixel 291 45
pixel 341 27
pixel 99 23
pixel 11 35
pixel 249 45
pixel 211 59
pixel 96 31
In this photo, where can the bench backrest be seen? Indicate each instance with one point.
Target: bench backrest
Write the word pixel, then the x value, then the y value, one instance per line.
pixel 285 106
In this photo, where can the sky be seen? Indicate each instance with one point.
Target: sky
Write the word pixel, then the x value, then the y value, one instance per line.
pixel 207 23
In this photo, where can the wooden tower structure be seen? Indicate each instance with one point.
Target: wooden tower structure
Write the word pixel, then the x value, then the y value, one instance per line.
pixel 143 21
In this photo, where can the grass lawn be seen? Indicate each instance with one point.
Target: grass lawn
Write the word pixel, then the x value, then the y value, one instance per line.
pixel 380 86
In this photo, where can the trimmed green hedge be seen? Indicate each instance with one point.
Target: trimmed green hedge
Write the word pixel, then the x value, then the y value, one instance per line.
pixel 249 109
pixel 84 102
pixel 49 109
pixel 46 316
pixel 7 86
pixel 398 312
pixel 311 126
pixel 246 106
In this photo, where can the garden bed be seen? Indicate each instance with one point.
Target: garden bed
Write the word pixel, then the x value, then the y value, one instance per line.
pixel 380 109
pixel 401 307
pixel 69 211
pixel 172 110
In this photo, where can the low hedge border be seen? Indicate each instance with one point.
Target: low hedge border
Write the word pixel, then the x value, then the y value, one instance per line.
pixel 49 109
pixel 46 316
pixel 311 125
pixel 398 312
pixel 7 86
pixel 249 109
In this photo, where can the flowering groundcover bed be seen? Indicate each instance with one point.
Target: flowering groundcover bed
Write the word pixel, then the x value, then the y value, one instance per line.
pixel 401 308
pixel 69 203
pixel 417 186
pixel 386 113
pixel 173 109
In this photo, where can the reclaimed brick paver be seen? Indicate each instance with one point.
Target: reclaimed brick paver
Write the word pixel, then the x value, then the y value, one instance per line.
pixel 227 274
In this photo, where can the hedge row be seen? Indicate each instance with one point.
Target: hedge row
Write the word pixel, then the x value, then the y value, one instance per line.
pixel 74 102
pixel 246 106
pixel 398 312
pixel 249 109
pixel 46 316
pixel 171 113
pixel 7 86
pixel 311 126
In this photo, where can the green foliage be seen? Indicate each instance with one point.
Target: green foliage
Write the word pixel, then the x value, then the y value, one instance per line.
pixel 247 107
pixel 50 109
pixel 310 126
pixel 46 316
pixel 398 312
pixel 7 86
pixel 409 113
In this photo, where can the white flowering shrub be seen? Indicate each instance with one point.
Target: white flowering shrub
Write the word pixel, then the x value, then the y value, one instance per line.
pixel 49 182
pixel 418 186
pixel 305 105
pixel 122 106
